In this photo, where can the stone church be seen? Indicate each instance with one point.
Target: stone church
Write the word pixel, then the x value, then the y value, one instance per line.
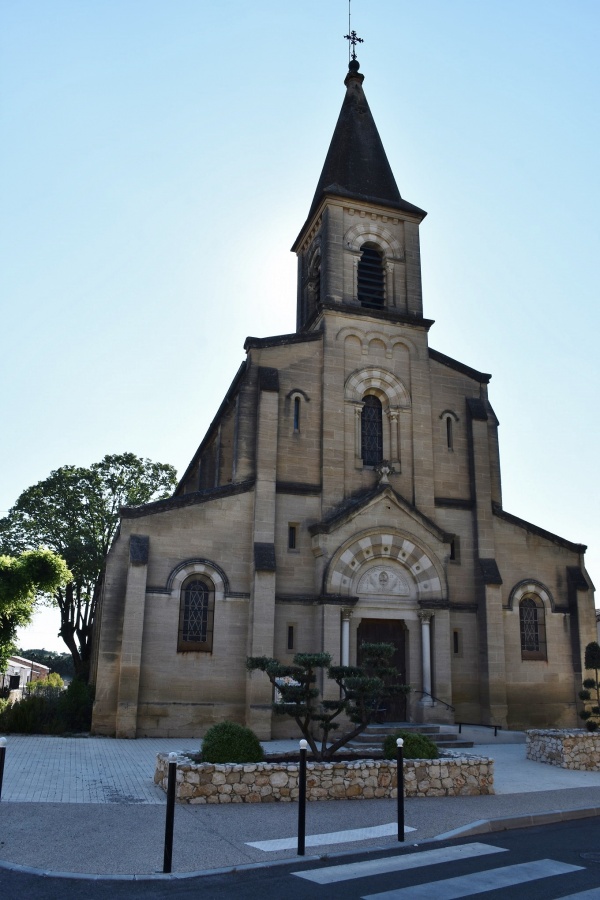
pixel 348 489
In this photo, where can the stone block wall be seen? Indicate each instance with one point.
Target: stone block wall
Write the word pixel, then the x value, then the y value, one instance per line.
pixel 577 749
pixel 363 779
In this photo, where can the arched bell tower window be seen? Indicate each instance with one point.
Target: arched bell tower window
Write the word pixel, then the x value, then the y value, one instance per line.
pixel 371 431
pixel 533 628
pixel 196 615
pixel 370 277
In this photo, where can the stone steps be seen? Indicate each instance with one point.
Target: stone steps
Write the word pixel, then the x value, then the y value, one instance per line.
pixel 375 734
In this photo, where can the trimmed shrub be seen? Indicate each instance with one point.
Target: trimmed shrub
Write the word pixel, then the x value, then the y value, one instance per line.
pixel 227 742
pixel 416 746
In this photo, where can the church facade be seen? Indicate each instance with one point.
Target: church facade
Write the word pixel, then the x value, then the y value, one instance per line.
pixel 348 490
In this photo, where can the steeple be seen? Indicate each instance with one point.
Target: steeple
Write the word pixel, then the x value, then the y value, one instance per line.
pixel 356 166
pixel 358 250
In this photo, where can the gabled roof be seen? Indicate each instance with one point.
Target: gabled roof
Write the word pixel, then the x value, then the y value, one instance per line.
pixel 356 165
pixel 356 504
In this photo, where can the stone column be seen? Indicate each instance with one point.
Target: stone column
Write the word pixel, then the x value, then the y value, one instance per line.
pixel 346 616
pixel 425 618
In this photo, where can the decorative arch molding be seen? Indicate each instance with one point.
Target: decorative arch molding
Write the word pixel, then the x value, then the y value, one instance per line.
pixel 390 342
pixel 366 232
pixel 297 392
pixel 376 380
pixel 392 546
pixel 449 412
pixel 530 586
pixel 197 566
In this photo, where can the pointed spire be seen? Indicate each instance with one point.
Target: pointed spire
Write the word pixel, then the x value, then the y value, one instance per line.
pixel 356 165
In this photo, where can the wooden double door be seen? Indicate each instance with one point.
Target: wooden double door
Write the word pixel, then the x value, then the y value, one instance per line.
pixel 388 631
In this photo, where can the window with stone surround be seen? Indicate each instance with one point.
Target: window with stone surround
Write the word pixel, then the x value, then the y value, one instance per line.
pixel 370 277
pixel 532 622
pixel 371 431
pixel 196 615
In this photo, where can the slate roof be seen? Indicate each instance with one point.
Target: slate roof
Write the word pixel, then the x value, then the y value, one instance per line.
pixel 356 165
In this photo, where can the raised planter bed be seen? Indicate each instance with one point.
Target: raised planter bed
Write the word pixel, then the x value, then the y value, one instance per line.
pixel 270 782
pixel 575 749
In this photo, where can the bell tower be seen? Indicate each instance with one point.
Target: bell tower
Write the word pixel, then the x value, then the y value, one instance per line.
pixel 359 246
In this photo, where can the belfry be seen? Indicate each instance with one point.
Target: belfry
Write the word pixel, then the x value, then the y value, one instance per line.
pixel 348 490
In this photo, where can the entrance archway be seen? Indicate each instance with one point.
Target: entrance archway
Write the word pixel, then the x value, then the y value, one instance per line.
pixel 387 631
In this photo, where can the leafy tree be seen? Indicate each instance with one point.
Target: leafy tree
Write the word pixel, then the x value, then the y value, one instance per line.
pixel 363 692
pixel 75 512
pixel 592 661
pixel 52 681
pixel 21 577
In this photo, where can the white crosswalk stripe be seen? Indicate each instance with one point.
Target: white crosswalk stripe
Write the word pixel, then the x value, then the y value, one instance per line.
pixel 402 862
pixel 331 837
pixel 478 882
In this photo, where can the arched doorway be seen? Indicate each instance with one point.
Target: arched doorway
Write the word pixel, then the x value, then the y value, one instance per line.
pixel 387 631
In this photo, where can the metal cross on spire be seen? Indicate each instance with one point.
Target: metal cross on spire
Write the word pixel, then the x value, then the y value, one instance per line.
pixel 352 37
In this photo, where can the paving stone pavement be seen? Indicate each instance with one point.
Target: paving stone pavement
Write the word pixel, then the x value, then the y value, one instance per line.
pixel 114 821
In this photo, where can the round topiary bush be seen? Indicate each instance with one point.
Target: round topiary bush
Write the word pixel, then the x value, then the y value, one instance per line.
pixel 416 746
pixel 227 742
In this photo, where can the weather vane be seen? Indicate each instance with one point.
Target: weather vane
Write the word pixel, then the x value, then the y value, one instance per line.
pixel 352 37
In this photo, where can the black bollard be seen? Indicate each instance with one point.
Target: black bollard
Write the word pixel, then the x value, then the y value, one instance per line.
pixel 2 755
pixel 171 783
pixel 400 787
pixel 302 798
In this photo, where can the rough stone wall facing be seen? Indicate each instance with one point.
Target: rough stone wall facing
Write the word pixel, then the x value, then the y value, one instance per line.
pixel 360 780
pixel 578 749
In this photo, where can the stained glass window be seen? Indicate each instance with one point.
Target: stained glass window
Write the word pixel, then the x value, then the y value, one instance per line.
pixel 371 431
pixel 196 616
pixel 533 631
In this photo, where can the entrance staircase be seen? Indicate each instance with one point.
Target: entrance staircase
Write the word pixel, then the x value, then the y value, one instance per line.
pixel 374 735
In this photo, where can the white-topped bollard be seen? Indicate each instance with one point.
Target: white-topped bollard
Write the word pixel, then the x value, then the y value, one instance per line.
pixel 171 784
pixel 400 787
pixel 302 797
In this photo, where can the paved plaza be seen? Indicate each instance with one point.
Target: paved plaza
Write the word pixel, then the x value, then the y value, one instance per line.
pixel 89 805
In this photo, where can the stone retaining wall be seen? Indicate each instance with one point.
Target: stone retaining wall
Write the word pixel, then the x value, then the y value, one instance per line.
pixel 362 779
pixel 577 749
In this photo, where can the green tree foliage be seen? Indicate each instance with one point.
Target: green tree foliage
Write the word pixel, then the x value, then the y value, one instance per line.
pixel 227 742
pixel 75 512
pixel 50 711
pixel 363 692
pixel 21 578
pixel 591 716
pixel 61 663
pixel 52 682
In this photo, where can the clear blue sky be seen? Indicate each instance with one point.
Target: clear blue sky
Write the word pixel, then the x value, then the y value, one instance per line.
pixel 158 159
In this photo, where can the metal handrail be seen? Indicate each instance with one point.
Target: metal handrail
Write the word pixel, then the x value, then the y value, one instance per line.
pixel 478 725
pixel 436 699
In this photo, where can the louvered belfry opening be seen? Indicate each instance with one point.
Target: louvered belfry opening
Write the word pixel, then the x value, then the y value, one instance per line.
pixel 370 278
pixel 372 431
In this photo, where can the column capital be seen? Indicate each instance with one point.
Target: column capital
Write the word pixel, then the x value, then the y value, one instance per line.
pixel 346 614
pixel 425 616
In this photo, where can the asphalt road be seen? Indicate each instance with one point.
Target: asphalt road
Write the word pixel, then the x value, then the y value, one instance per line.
pixel 540 863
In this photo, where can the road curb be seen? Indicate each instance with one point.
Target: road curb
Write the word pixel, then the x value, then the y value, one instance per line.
pixel 480 826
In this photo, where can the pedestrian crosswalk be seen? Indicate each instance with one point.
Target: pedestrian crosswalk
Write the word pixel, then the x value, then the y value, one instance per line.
pixel 451 884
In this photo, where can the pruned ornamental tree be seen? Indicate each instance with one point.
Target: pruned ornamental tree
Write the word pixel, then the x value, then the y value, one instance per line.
pixel 75 512
pixel 592 662
pixel 21 578
pixel 364 692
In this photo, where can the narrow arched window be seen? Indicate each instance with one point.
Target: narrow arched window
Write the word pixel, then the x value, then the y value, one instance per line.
pixel 449 435
pixel 296 413
pixel 371 428
pixel 196 616
pixel 370 280
pixel 533 628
